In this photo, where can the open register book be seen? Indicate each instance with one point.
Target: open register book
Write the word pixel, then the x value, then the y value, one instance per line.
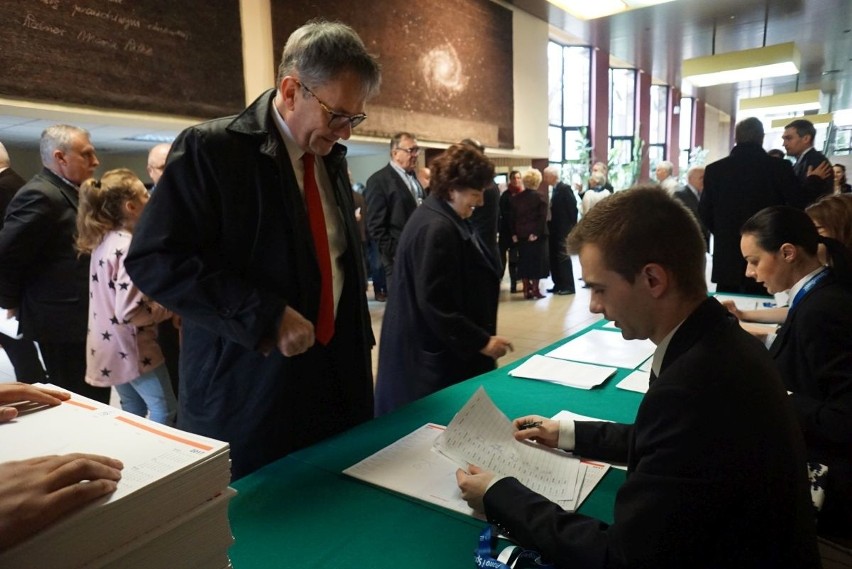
pixel 423 464
pixel 172 482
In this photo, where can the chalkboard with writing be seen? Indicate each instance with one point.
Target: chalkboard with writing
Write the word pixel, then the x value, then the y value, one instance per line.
pixel 160 56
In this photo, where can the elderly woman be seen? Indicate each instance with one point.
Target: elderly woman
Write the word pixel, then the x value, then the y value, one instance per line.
pixel 529 219
pixel 440 323
pixel 813 348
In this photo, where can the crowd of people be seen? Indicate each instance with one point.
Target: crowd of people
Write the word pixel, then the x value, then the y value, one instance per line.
pixel 250 245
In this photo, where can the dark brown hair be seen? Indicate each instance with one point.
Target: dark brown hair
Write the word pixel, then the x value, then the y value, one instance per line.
pixel 460 166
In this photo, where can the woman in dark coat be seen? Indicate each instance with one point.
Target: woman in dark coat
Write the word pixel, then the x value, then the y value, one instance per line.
pixel 529 220
pixel 440 323
pixel 508 249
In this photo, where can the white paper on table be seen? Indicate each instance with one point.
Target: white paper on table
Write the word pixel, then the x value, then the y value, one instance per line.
pixel 9 327
pixel 746 302
pixel 646 365
pixel 563 372
pixel 570 415
pixel 605 348
pixel 481 434
pixel 637 381
pixel 410 466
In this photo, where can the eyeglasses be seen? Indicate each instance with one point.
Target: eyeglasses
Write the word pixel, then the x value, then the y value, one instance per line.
pixel 413 150
pixel 337 120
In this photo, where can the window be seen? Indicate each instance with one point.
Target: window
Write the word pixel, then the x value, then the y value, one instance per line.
pixel 687 105
pixel 622 131
pixel 569 81
pixel 657 137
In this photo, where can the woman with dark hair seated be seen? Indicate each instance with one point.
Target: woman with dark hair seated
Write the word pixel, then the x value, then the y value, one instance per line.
pixel 440 323
pixel 813 348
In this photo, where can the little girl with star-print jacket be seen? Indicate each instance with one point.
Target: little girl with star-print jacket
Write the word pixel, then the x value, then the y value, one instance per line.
pixel 121 345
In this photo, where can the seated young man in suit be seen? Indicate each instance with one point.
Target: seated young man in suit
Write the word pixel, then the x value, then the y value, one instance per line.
pixel 715 460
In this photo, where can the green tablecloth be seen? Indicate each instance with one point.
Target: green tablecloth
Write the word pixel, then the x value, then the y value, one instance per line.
pixel 301 511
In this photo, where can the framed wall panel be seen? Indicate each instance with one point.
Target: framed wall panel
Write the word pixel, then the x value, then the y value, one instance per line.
pixel 446 66
pixel 182 58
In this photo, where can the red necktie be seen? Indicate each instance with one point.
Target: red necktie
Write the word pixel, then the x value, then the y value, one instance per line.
pixel 313 203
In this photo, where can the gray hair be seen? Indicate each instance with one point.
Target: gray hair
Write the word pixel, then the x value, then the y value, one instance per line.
pixel 666 165
pixel 58 137
pixel 4 157
pixel 553 171
pixel 749 131
pixel 319 51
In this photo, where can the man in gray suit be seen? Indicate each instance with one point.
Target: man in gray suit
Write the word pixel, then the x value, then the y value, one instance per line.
pixel 392 195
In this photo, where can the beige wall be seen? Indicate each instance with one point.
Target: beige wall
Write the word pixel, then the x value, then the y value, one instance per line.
pixel 717 133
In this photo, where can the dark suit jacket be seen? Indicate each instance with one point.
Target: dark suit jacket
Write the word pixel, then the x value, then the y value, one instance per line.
pixel 715 468
pixel 813 187
pixel 563 213
pixel 690 200
pixel 529 214
pixel 389 205
pixel 813 350
pixel 10 183
pixel 485 218
pixel 504 222
pixel 735 188
pixel 40 272
pixel 225 243
pixel 442 308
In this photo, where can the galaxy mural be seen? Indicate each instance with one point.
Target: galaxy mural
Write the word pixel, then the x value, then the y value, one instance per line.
pixel 440 80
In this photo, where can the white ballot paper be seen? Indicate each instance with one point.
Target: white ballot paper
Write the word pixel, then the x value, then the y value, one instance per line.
pixel 481 434
pixel 563 372
pixel 605 348
pixel 423 464
pixel 637 381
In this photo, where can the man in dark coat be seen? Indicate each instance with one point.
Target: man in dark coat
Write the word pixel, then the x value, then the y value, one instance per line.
pixel 690 194
pixel 392 194
pixel 485 217
pixel 22 353
pixel 563 218
pixel 703 489
pixel 251 250
pixel 812 169
pixel 735 188
pixel 41 275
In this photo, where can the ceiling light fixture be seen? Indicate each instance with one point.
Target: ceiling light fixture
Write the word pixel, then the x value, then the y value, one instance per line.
pixel 747 65
pixel 823 118
pixel 784 103
pixel 586 10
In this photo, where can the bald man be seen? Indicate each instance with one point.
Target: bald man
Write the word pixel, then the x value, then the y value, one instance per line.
pixel 157 162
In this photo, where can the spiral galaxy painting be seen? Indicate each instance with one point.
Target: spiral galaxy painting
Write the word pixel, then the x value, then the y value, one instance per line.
pixel 447 67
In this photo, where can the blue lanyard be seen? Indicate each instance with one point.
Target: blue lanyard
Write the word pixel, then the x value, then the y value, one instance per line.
pixel 515 557
pixel 807 288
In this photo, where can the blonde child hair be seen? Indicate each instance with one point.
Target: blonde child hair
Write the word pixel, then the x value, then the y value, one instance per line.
pixel 102 206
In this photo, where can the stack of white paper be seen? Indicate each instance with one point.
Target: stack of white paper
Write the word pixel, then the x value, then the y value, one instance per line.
pixel 479 434
pixel 605 348
pixel 563 372
pixel 170 508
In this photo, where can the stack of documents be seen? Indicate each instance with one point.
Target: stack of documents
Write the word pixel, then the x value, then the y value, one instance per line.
pixel 423 464
pixel 605 347
pixel 572 374
pixel 171 505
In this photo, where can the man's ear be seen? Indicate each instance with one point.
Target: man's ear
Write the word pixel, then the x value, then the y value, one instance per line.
pixel 287 92
pixel 656 278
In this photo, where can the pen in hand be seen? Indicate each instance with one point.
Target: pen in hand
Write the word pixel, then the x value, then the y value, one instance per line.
pixel 529 425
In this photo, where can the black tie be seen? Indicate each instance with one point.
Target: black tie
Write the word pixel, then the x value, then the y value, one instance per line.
pixel 652 379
